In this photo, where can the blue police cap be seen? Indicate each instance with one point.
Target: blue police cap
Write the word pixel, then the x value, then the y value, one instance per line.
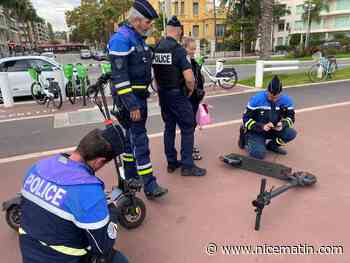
pixel 115 137
pixel 145 9
pixel 173 21
pixel 275 86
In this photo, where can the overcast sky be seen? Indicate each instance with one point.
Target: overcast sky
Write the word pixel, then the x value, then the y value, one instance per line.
pixel 53 11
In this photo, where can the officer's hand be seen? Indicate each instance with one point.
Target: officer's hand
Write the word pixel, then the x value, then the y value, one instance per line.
pixel 135 115
pixel 278 127
pixel 268 126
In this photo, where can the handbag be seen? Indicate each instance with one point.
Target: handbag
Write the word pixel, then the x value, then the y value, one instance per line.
pixel 203 117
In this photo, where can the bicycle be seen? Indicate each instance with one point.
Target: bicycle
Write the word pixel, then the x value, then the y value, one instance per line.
pixel 45 91
pixel 77 82
pixel 324 69
pixel 225 78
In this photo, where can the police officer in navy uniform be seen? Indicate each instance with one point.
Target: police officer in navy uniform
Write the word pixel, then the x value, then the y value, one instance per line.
pixel 131 61
pixel 269 116
pixel 174 76
pixel 64 213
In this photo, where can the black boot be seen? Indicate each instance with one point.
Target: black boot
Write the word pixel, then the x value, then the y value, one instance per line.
pixel 194 171
pixel 273 147
pixel 172 167
pixel 157 192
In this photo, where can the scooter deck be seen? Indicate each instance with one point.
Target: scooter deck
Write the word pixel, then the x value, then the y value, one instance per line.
pixel 265 168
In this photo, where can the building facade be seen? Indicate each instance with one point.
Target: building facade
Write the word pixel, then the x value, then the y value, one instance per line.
pixel 197 16
pixel 335 20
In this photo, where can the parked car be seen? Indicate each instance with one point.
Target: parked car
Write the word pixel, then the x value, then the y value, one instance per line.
pixel 18 76
pixel 85 54
pixel 100 55
pixel 331 44
pixel 49 55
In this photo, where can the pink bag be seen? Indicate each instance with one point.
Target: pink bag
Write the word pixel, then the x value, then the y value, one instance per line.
pixel 203 117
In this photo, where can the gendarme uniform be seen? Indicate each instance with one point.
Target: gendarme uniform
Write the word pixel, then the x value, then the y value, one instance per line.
pixel 260 111
pixel 131 61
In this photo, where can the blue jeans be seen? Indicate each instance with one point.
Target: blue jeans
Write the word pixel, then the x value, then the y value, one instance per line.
pixel 119 258
pixel 177 109
pixel 256 142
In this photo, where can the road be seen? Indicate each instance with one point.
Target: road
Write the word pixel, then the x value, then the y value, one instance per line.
pixel 65 130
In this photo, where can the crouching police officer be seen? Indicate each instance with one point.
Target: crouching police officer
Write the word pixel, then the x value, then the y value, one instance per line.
pixel 64 217
pixel 270 116
pixel 174 76
pixel 131 61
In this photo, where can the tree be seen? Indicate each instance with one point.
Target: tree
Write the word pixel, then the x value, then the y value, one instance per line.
pixel 313 14
pixel 265 28
pixel 50 32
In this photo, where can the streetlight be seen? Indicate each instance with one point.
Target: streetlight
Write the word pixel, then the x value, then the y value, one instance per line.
pixel 308 7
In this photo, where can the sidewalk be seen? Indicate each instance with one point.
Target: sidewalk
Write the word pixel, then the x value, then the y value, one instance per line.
pixel 217 208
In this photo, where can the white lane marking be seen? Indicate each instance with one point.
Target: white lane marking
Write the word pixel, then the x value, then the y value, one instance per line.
pixel 160 134
pixel 27 118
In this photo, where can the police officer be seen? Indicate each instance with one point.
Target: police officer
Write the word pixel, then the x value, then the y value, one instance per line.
pixel 64 216
pixel 174 76
pixel 270 116
pixel 131 61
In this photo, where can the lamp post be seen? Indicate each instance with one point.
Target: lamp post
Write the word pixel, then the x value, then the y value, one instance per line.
pixel 308 7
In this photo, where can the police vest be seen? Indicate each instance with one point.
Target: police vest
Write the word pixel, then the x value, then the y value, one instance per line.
pixel 167 74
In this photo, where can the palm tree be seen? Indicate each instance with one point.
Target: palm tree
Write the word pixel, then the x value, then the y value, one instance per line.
pixel 265 28
pixel 312 13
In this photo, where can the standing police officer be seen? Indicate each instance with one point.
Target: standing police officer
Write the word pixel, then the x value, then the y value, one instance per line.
pixel 131 61
pixel 173 73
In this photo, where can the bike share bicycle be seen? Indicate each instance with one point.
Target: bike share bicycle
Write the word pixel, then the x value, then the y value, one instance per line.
pixel 324 69
pixel 45 91
pixel 78 82
pixel 225 78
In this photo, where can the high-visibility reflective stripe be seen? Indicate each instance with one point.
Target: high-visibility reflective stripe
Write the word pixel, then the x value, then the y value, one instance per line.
pixel 139 87
pixel 128 155
pixel 145 172
pixel 247 123
pixel 124 91
pixel 62 249
pixel 251 125
pixel 145 166
pixel 290 122
pixel 122 84
pixel 128 159
pixel 280 141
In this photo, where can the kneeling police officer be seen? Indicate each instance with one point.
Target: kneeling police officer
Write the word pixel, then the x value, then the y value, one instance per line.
pixel 65 218
pixel 269 116
pixel 174 76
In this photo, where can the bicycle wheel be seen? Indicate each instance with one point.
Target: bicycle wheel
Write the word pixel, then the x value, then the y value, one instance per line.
pixel 56 99
pixel 230 81
pixel 316 74
pixel 71 92
pixel 38 93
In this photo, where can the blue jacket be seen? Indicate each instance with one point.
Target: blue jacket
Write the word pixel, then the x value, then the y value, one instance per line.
pixel 131 61
pixel 64 213
pixel 261 111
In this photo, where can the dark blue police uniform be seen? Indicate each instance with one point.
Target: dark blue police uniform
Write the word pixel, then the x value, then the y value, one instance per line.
pixel 65 218
pixel 260 111
pixel 131 61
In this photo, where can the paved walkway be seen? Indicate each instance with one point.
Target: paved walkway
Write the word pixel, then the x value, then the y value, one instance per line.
pixel 217 208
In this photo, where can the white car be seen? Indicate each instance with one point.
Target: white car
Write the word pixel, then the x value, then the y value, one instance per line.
pixel 18 76
pixel 48 54
pixel 85 54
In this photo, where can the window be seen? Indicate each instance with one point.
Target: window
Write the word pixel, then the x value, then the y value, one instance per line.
pixel 46 66
pixel 342 21
pixel 182 8
pixel 299 25
pixel 206 30
pixel 288 27
pixel 299 9
pixel 220 30
pixel 17 65
pixel 280 41
pixel 281 27
pixel 342 5
pixel 195 9
pixel 176 5
pixel 195 31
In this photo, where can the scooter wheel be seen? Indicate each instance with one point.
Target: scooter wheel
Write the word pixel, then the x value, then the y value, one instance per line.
pixel 13 216
pixel 131 216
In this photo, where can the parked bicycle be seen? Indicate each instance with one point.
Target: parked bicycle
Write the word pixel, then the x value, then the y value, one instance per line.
pixel 225 78
pixel 78 81
pixel 324 69
pixel 45 91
